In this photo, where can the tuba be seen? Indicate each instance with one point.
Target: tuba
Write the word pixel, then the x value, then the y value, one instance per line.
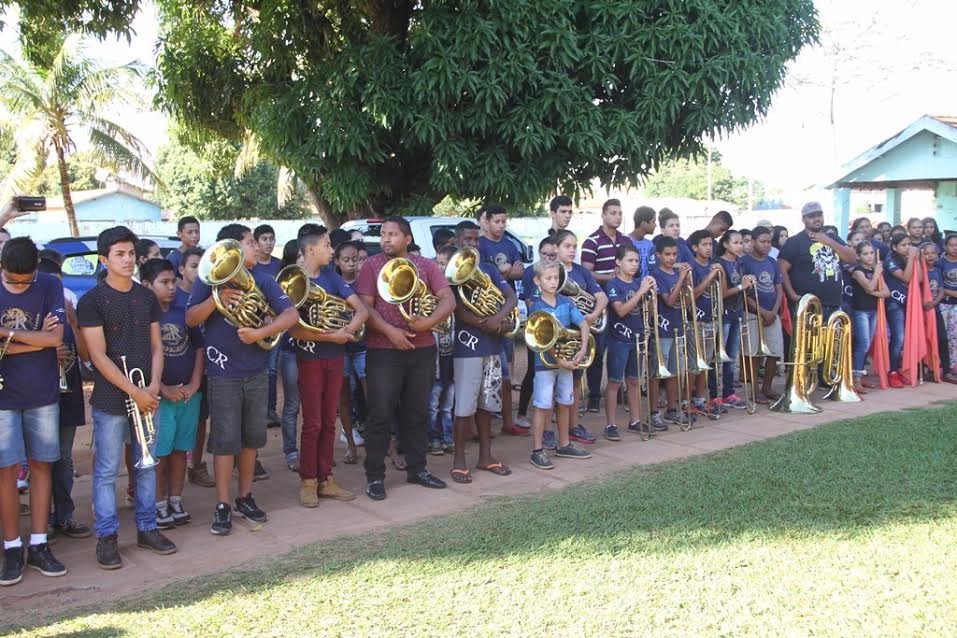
pixel 319 311
pixel 143 428
pixel 814 343
pixel 476 290
pixel 584 301
pixel 399 284
pixel 543 334
pixel 221 266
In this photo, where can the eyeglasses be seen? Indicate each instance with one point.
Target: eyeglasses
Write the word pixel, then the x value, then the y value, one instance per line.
pixel 548 255
pixel 10 282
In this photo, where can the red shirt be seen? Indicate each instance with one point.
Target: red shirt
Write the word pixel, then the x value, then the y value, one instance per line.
pixel 366 285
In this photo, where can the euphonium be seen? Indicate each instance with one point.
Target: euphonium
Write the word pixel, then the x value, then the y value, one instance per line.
pixel 143 428
pixel 221 266
pixel 399 284
pixel 584 301
pixel 319 311
pixel 543 334
pixel 476 290
pixel 838 369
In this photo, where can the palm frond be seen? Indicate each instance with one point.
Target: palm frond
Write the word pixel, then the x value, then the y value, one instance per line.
pixel 286 185
pixel 123 157
pixel 248 155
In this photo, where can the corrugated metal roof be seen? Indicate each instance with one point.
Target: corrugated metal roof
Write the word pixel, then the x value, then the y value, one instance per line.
pixel 949 120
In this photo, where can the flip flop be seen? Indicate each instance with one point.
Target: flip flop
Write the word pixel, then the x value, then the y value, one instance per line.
pixel 498 469
pixel 515 431
pixel 461 476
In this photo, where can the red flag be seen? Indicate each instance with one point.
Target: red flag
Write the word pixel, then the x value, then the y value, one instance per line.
pixel 915 341
pixel 880 356
pixel 785 314
pixel 932 358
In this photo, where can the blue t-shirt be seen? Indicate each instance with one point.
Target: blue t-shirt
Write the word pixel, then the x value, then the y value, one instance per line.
pixel 271 269
pixel 31 379
pixel 444 348
pixel 948 272
pixel 333 283
pixel 883 250
pixel 767 275
pixel 628 327
pixel 179 346
pixel 563 310
pixel 175 257
pixel 733 305
pixel 529 289
pixel 181 299
pixel 226 355
pixel 499 253
pixel 646 256
pixel 935 280
pixel 684 252
pixel 577 273
pixel 469 340
pixel 669 318
pixel 703 303
pixel 897 288
pixel 72 409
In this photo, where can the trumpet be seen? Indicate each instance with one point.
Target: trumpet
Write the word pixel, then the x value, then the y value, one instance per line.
pixel 399 284
pixel 64 385
pixel 143 428
pixel 544 335
pixel 476 290
pixel 221 266
pixel 319 311
pixel 584 301
pixel 814 343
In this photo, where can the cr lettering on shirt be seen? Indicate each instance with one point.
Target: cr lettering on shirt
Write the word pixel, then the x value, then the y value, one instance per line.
pixel 623 329
pixel 467 339
pixel 216 357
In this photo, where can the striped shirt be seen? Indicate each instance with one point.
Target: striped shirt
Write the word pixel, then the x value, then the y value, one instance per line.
pixel 599 250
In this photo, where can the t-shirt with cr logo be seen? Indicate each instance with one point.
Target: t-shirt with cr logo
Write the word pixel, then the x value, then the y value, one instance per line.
pixel 469 340
pixel 815 268
pixel 333 284
pixel 226 355
pixel 628 327
pixel 499 253
pixel 30 379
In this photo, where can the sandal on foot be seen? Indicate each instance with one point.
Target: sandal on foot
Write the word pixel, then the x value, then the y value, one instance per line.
pixel 351 458
pixel 461 476
pixel 398 462
pixel 498 469
pixel 515 431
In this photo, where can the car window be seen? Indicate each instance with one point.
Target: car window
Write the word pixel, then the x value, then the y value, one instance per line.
pixel 79 265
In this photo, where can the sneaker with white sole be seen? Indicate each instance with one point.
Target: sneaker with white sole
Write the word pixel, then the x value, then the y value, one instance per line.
pixel 164 520
pixel 734 401
pixel 572 451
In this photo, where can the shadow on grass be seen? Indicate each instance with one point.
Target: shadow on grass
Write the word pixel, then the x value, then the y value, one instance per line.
pixel 843 479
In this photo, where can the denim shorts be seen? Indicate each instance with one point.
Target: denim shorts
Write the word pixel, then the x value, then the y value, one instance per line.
pixel 622 361
pixel 508 353
pixel 176 423
pixel 237 413
pixel 354 363
pixel 32 434
pixel 552 386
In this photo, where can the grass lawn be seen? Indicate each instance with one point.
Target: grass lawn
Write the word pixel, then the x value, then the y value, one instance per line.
pixel 845 530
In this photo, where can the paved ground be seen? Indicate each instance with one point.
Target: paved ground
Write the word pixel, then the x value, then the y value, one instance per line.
pixel 291 525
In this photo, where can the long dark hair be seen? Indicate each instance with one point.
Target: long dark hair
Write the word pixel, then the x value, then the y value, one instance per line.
pixel 934 236
pixel 776 233
pixel 290 253
pixel 726 237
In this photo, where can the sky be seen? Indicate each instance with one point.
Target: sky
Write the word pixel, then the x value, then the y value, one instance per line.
pixel 881 64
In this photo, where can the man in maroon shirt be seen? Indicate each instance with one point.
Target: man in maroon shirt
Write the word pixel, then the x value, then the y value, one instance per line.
pixel 400 364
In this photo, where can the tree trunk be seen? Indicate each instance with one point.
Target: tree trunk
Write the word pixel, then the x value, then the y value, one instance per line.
pixel 65 187
pixel 329 218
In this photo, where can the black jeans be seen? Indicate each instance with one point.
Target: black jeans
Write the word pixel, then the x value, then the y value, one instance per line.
pixel 525 396
pixel 597 367
pixel 399 384
pixel 62 475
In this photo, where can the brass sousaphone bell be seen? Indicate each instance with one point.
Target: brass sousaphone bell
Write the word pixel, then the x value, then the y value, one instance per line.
pixel 399 284
pixel 319 311
pixel 221 266
pixel 543 333
pixel 476 290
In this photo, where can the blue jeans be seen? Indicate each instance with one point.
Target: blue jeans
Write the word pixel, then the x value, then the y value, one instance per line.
pixel 895 325
pixel 731 330
pixel 271 364
pixel 441 399
pixel 593 375
pixel 108 434
pixel 290 400
pixel 864 323
pixel 62 475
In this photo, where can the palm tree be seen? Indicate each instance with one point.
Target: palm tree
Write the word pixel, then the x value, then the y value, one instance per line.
pixel 47 108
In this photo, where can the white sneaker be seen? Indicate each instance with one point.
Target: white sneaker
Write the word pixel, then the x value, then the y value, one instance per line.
pixel 355 437
pixel 523 422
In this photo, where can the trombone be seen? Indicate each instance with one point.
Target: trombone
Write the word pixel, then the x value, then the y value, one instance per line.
pixel 747 372
pixel 649 308
pixel 700 363
pixel 720 356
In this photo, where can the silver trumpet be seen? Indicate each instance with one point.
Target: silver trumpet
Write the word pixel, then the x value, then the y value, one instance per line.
pixel 143 428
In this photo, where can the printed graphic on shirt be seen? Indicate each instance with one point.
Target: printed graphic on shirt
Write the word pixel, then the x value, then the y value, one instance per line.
pixel 17 319
pixel 824 261
pixel 175 340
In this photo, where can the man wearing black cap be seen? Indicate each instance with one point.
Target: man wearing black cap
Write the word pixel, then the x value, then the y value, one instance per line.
pixel 810 262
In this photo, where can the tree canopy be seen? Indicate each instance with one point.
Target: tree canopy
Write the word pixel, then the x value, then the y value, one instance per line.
pixel 689 178
pixel 391 105
pixel 199 180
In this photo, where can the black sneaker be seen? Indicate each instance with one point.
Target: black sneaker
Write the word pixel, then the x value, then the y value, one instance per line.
pixel 73 529
pixel 657 424
pixel 593 404
pixel 247 508
pixel 260 473
pixel 572 451
pixel 674 416
pixel 540 460
pixel 164 520
pixel 40 558
pixel 12 566
pixel 376 490
pixel 154 541
pixel 611 433
pixel 222 520
pixel 107 552
pixel 636 427
pixel 180 516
